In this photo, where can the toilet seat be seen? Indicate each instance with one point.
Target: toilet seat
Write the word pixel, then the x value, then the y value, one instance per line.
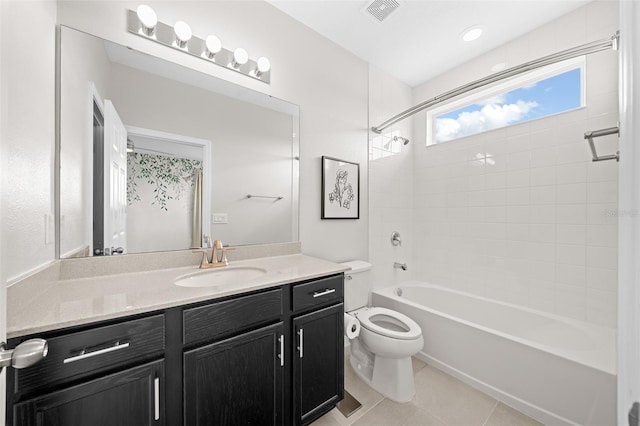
pixel 370 318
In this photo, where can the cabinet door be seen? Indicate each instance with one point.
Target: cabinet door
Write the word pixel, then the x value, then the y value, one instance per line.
pixel 238 381
pixel 134 397
pixel 318 362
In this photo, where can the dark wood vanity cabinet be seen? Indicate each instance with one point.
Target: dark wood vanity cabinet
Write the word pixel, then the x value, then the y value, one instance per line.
pixel 133 397
pixel 234 361
pixel 238 381
pixel 270 357
pixel 318 366
pixel 318 361
pixel 108 374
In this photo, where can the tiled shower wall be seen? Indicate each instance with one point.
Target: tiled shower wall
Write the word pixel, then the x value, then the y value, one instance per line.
pixel 521 214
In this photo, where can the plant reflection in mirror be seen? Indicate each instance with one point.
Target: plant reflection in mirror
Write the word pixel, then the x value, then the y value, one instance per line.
pixel 170 176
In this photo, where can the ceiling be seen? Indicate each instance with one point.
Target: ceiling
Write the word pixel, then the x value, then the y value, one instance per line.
pixel 421 39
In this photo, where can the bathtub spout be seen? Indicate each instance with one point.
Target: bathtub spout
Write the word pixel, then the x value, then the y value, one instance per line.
pixel 402 266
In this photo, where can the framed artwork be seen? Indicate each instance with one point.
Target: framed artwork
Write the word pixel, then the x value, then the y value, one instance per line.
pixel 340 189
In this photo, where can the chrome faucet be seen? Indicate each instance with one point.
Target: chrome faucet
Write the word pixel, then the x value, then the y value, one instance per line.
pixel 218 256
pixel 402 266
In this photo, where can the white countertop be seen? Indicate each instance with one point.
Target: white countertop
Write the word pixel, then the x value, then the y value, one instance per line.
pixel 59 303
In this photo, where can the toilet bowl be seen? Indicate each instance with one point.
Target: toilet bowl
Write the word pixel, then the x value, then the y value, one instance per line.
pixel 389 333
pixel 381 353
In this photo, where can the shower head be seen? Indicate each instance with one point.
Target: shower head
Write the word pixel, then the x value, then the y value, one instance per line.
pixel 404 141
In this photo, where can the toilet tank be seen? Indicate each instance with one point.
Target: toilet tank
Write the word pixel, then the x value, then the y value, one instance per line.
pixel 357 284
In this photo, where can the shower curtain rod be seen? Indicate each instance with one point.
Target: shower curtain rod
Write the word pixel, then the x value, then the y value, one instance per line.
pixel 585 49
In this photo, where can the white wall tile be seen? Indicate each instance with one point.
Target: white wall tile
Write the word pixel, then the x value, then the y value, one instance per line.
pixel 571 214
pixel 571 300
pixel 518 231
pixel 602 257
pixel 543 176
pixel 601 307
pixel 543 233
pixel 543 194
pixel 573 193
pixel 571 254
pixel 495 180
pixel 518 214
pixel 572 173
pixel 602 192
pixel 544 213
pixel 544 157
pixel 522 213
pixel 518 196
pixel 602 170
pixel 602 214
pixel 571 274
pixel 602 235
pixel 518 178
pixel 571 234
pixel 602 279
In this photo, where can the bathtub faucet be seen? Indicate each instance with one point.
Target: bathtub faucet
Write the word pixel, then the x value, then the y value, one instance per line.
pixel 402 266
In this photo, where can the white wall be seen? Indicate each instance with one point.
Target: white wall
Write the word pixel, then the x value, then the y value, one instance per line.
pixel 26 142
pixel 391 184
pixel 521 214
pixel 329 84
pixel 28 88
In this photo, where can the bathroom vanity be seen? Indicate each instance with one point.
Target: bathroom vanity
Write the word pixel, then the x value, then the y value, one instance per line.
pixel 268 352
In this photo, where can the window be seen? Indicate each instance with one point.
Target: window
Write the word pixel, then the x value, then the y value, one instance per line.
pixel 539 93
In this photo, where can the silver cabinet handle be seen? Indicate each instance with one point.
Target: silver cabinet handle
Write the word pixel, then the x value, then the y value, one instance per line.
pixel 24 355
pixel 281 354
pixel 324 293
pixel 301 340
pixel 84 355
pixel 156 398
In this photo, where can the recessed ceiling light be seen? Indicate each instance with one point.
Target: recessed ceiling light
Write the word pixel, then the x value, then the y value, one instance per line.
pixel 472 33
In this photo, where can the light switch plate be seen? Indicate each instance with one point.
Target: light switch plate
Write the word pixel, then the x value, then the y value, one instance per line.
pixel 219 218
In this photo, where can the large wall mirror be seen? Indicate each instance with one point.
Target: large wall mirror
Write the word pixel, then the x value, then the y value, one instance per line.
pixel 155 156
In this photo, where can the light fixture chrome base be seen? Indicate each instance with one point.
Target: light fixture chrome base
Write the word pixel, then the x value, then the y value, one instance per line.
pixel 164 34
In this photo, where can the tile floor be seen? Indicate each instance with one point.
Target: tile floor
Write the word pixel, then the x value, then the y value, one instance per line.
pixel 440 400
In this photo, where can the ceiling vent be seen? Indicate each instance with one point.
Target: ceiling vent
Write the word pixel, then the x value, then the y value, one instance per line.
pixel 379 10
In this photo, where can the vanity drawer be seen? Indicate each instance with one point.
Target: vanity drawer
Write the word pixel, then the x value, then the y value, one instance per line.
pixel 83 353
pixel 318 292
pixel 222 318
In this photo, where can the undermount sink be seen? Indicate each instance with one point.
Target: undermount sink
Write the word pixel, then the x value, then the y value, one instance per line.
pixel 220 277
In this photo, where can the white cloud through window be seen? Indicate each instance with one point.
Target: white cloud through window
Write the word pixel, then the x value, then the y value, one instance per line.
pixel 491 116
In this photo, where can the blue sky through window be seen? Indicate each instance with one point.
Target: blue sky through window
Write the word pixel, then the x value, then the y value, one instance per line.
pixel 552 95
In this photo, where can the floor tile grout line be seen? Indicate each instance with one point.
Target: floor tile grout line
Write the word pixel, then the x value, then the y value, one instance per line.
pixel 371 408
pixel 493 410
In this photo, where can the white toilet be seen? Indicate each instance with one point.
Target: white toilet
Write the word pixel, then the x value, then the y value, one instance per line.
pixel 381 354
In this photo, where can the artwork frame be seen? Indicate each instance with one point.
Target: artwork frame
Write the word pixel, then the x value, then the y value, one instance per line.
pixel 340 189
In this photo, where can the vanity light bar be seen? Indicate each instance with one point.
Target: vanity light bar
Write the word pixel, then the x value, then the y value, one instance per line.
pixel 209 49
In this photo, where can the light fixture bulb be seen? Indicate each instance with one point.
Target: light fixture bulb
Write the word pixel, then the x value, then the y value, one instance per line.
pixel 213 45
pixel 472 33
pixel 148 19
pixel 183 33
pixel 240 57
pixel 263 65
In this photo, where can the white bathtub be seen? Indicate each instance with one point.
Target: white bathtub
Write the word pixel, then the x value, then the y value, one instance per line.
pixel 557 370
